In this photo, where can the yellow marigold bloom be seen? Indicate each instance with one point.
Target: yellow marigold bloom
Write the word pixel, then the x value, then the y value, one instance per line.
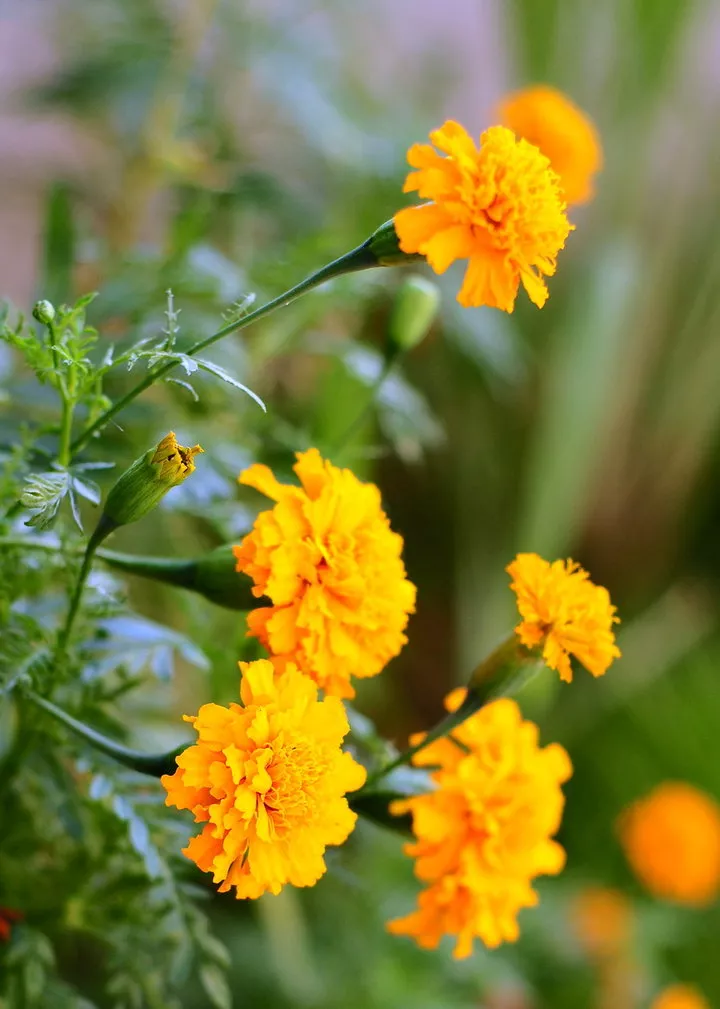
pixel 602 919
pixel 332 567
pixel 680 996
pixel 563 611
pixel 486 831
pixel 498 206
pixel 268 779
pixel 671 838
pixel 548 119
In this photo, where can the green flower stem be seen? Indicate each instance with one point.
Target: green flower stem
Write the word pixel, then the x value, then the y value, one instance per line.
pixel 66 630
pixel 146 763
pixel 503 672
pixel 361 258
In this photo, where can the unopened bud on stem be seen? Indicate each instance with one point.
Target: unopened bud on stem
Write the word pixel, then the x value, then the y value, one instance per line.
pixel 145 484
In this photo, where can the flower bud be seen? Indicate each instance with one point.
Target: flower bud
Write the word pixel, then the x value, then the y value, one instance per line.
pixel 145 483
pixel 413 313
pixel 44 312
pixel 384 246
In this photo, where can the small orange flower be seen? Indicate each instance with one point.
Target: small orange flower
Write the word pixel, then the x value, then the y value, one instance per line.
pixel 268 779
pixel 332 568
pixel 672 841
pixel 486 831
pixel 680 996
pixel 499 206
pixel 602 919
pixel 548 119
pixel 565 612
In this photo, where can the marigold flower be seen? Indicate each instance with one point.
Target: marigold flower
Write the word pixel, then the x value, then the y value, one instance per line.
pixel 602 919
pixel 485 832
pixel 332 567
pixel 565 612
pixel 548 119
pixel 680 996
pixel 268 779
pixel 499 206
pixel 671 838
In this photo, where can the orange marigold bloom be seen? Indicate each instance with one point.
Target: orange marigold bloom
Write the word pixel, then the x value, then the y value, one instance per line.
pixel 332 567
pixel 563 611
pixel 671 838
pixel 548 119
pixel 486 831
pixel 602 919
pixel 268 779
pixel 499 206
pixel 680 996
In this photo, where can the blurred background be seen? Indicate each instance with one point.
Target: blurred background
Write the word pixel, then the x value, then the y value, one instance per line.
pixel 223 147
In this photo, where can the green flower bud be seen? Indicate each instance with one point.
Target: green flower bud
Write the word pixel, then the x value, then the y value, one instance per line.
pixel 145 484
pixel 214 575
pixel 44 312
pixel 385 247
pixel 414 312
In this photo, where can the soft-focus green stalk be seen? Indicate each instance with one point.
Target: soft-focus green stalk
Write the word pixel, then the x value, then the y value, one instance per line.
pixel 288 940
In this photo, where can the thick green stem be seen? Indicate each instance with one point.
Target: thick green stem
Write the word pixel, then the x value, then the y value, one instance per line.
pixel 146 763
pixel 361 258
pixel 503 672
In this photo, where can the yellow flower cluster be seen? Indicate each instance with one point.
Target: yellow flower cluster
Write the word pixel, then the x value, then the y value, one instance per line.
pixel 486 831
pixel 501 205
pixel 565 613
pixel 331 566
pixel 268 779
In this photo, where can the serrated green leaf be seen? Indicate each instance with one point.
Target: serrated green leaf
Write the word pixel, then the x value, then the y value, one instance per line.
pixel 216 987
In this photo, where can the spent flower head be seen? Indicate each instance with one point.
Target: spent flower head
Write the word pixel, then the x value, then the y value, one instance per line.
pixel 564 613
pixel 268 779
pixel 326 557
pixel 498 205
pixel 486 831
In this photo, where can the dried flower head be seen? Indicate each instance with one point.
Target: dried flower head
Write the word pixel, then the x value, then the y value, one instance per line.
pixel 548 119
pixel 680 996
pixel 563 611
pixel 268 779
pixel 332 567
pixel 486 831
pixel 671 838
pixel 498 206
pixel 602 920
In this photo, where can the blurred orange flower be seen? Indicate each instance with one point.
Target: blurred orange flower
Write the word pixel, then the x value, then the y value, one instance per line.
pixel 486 831
pixel 672 841
pixel 565 612
pixel 547 118
pixel 8 916
pixel 498 206
pixel 332 568
pixel 268 779
pixel 680 996
pixel 602 919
